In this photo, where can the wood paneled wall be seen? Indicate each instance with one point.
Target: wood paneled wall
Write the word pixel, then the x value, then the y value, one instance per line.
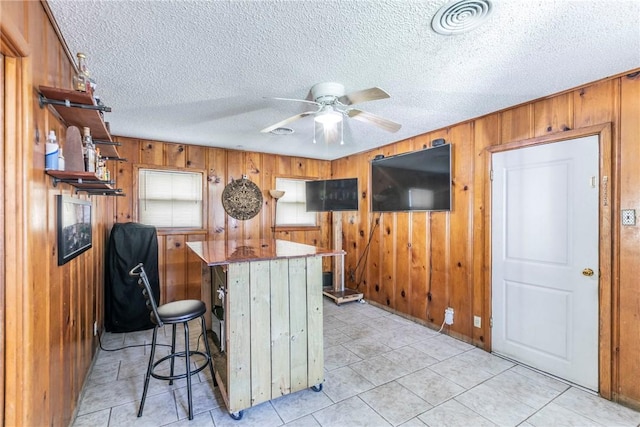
pixel 179 268
pixel 420 263
pixel 627 243
pixel 49 310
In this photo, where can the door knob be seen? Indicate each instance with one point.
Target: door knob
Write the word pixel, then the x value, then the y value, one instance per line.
pixel 587 272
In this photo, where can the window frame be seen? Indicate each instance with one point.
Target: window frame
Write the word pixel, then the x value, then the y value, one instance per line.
pixel 294 227
pixel 172 230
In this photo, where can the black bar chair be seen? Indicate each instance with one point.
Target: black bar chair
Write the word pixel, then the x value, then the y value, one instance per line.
pixel 173 313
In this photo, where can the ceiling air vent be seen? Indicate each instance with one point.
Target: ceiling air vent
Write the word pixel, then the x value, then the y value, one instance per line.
pixel 282 131
pixel 460 16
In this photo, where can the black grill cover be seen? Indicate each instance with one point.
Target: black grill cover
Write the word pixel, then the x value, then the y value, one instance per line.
pixel 125 306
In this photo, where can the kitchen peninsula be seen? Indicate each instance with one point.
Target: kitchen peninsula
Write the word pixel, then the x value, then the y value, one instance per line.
pixel 265 297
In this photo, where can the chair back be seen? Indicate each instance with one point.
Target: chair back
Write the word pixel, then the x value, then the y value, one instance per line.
pixel 143 282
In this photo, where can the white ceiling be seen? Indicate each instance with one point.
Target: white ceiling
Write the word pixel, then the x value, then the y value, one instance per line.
pixel 204 72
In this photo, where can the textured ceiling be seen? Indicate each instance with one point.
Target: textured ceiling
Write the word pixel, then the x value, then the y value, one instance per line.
pixel 204 72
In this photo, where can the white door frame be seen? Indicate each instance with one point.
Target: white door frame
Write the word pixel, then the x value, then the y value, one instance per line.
pixel 605 333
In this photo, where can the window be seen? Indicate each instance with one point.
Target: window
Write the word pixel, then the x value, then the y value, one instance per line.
pixel 292 207
pixel 170 198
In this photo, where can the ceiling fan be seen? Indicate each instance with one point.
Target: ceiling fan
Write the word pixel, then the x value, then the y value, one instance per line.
pixel 332 104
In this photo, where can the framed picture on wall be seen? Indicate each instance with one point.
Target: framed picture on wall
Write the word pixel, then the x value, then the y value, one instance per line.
pixel 74 227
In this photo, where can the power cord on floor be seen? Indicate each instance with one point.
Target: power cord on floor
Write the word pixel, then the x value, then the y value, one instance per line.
pixel 140 345
pixel 128 346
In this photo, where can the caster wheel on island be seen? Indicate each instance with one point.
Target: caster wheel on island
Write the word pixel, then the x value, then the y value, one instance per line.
pixel 317 388
pixel 236 415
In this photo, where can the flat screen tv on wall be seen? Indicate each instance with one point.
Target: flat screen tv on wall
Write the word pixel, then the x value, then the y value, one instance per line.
pixel 416 181
pixel 332 195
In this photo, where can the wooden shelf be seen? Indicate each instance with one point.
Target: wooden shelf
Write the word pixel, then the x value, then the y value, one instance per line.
pixel 85 181
pixel 80 117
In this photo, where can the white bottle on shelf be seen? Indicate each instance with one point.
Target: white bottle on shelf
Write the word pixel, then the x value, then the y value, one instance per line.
pixel 51 152
pixel 60 160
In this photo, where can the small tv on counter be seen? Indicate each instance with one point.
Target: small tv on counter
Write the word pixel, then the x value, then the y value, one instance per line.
pixel 415 181
pixel 332 195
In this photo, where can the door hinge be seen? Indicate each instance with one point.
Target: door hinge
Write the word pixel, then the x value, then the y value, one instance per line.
pixel 491 175
pixel 491 322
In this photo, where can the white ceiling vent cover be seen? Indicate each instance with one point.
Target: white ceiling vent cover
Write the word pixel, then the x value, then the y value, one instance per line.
pixel 460 16
pixel 282 131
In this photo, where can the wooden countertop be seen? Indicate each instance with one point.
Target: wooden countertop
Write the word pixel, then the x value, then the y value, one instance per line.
pixel 220 252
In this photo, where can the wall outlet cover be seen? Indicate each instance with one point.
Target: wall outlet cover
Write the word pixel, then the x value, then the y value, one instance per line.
pixel 628 217
pixel 448 316
pixel 477 321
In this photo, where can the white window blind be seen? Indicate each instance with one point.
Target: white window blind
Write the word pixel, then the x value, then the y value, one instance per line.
pixel 170 198
pixel 292 207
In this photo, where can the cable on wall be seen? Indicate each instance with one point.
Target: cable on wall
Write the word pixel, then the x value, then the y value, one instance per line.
pixel 365 254
pixel 430 271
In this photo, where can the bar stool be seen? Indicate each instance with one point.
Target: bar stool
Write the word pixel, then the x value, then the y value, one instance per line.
pixel 173 313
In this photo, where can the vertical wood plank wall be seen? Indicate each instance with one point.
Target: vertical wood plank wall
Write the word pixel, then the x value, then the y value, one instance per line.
pixel 179 269
pixel 50 311
pixel 420 263
pixel 627 245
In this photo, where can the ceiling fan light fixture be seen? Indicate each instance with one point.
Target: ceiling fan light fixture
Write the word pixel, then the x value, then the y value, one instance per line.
pixel 332 106
pixel 328 117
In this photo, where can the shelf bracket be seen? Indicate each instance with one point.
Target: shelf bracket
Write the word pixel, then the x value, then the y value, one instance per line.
pixel 120 159
pixel 81 181
pixel 43 100
pixel 102 192
pixel 102 142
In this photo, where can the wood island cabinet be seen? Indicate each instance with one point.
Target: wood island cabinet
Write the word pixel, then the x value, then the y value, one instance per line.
pixel 271 292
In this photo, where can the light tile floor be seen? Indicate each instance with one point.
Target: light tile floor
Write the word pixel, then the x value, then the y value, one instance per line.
pixel 381 370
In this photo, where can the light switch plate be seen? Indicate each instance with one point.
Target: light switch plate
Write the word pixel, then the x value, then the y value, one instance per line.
pixel 628 217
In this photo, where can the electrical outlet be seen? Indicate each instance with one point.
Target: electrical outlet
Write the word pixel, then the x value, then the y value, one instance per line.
pixel 95 328
pixel 628 217
pixel 448 316
pixel 477 321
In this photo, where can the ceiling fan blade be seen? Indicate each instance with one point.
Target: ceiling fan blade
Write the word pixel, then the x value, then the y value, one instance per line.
pixel 364 95
pixel 287 121
pixel 381 122
pixel 306 101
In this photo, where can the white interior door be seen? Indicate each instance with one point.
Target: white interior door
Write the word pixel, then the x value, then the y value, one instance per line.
pixel 544 244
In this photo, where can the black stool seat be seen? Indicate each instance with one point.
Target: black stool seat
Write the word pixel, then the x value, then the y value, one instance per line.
pixel 173 313
pixel 180 311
